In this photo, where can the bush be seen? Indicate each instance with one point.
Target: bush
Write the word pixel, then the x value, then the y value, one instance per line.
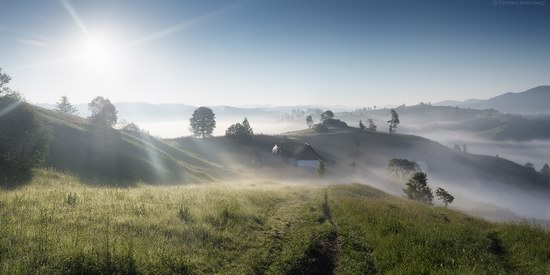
pixel 71 199
pixel 24 140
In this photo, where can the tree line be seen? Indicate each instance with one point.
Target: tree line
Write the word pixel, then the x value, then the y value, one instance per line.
pixel 329 115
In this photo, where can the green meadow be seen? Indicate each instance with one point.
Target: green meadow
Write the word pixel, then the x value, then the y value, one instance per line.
pixel 57 224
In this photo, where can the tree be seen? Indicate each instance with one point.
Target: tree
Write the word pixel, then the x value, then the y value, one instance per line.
pixel 394 121
pixel 545 170
pixel 65 106
pixel 327 115
pixel 457 148
pixel 104 113
pixel 361 126
pixel 203 122
pixel 418 189
pixel 239 130
pixel 131 127
pixel 529 165
pixel 403 167
pixel 24 139
pixel 248 130
pixel 372 126
pixel 4 89
pixel 444 196
pixel 4 81
pixel 321 170
pixel 309 121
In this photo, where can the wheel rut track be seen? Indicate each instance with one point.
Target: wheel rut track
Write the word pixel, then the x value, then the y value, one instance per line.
pixel 333 242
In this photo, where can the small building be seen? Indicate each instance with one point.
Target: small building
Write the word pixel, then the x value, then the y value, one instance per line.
pixel 307 157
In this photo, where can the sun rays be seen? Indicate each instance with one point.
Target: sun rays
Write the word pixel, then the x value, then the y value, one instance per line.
pixel 97 50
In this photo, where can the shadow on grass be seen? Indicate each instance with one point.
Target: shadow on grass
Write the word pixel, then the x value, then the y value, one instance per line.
pixel 11 178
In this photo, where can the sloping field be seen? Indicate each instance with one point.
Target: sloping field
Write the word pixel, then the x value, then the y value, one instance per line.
pixel 56 224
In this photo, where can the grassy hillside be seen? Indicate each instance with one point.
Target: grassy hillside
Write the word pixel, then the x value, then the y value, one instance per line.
pixel 369 150
pixel 487 123
pixel 57 224
pixel 381 234
pixel 116 156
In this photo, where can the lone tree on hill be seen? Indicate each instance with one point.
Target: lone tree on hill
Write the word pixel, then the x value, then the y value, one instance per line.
pixel 529 165
pixel 103 112
pixel 327 115
pixel 394 121
pixel 309 121
pixel 240 130
pixel 361 126
pixel 321 170
pixel 203 122
pixel 418 189
pixel 444 196
pixel 372 126
pixel 65 106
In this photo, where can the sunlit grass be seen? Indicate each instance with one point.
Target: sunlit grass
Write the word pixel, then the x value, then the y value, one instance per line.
pixel 56 224
pixel 384 234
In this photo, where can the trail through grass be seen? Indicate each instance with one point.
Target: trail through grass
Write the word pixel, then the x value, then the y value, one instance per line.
pixel 56 224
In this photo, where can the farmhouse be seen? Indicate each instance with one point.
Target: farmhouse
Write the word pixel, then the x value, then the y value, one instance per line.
pixel 307 157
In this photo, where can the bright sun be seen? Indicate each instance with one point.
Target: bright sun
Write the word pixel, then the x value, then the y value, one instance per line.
pixel 98 52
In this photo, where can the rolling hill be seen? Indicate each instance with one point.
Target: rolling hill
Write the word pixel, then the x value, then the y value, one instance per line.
pixel 126 157
pixel 369 149
pixel 59 225
pixel 532 101
pixel 119 157
pixel 477 177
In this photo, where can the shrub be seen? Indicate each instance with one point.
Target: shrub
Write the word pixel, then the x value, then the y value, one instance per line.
pixel 71 199
pixel 184 214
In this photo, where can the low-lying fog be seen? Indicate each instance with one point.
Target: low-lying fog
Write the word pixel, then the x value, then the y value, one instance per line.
pixel 521 152
pixel 478 198
pixel 179 128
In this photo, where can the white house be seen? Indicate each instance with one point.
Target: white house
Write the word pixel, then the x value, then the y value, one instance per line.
pixel 307 157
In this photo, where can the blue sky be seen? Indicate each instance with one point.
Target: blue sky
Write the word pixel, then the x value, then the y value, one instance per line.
pixel 354 53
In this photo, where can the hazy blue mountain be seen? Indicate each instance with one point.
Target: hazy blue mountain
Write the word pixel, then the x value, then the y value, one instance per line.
pixel 532 101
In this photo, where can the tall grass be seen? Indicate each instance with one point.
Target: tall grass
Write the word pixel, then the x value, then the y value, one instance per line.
pixel 57 225
pixel 384 234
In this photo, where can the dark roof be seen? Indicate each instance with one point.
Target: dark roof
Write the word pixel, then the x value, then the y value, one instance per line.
pixel 307 153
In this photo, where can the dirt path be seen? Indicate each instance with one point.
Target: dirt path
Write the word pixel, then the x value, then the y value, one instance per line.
pixel 334 241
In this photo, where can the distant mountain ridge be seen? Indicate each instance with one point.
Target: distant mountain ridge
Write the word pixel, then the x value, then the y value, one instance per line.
pixel 532 101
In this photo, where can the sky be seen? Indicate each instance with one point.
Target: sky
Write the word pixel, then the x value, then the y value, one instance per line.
pixel 274 52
